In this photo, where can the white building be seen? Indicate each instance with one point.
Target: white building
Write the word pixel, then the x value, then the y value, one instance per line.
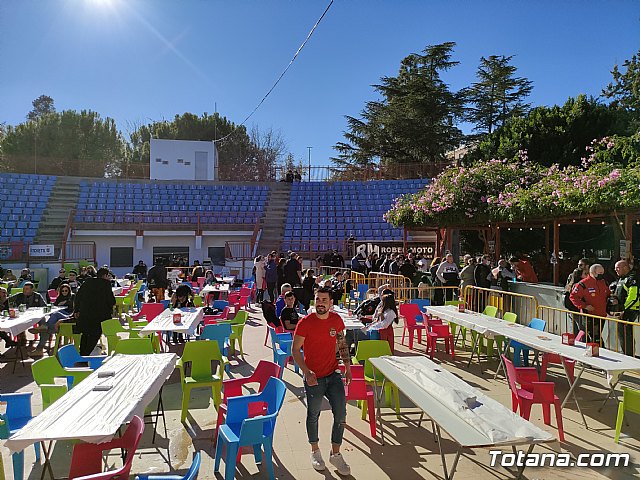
pixel 183 160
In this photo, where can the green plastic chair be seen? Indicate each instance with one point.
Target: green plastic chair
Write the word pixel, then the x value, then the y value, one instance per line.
pixel 110 329
pixel 135 346
pixel 372 349
pixel 123 304
pixel 197 301
pixel 46 370
pixel 630 402
pixel 454 326
pixel 507 317
pixel 199 355
pixel 237 330
pixel 70 266
pixel 84 263
pixel 65 336
pixel 490 311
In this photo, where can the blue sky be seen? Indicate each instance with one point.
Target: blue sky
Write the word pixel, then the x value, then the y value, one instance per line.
pixel 142 60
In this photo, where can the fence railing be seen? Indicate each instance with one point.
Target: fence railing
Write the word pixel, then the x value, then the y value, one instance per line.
pixel 398 171
pixel 74 251
pixel 525 306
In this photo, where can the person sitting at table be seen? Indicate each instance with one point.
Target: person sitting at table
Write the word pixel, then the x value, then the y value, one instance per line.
pixel 83 275
pixel 9 276
pixel 140 270
pixel 4 305
pixel 280 304
pixel 383 318
pixel 182 298
pixel 28 297
pixel 73 281
pixel 61 278
pixel 25 276
pixel 47 327
pixel 210 278
pixel 289 316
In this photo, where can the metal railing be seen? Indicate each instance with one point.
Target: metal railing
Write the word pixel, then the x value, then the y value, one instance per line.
pixel 74 251
pixel 397 171
pixel 524 306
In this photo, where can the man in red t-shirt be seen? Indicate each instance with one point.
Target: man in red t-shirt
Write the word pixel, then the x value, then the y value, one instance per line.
pixel 319 333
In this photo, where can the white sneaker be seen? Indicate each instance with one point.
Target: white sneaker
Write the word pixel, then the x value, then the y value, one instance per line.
pixel 337 461
pixel 317 462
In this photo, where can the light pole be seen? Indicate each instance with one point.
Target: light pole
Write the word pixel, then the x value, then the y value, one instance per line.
pixel 309 148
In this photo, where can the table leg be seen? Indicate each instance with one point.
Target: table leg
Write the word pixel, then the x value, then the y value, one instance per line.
pixel 611 390
pixel 521 469
pixel 473 349
pixel 504 352
pixel 444 461
pixel 46 467
pixel 572 388
pixel 377 403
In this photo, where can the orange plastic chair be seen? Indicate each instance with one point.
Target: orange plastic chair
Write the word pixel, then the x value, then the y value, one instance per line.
pixel 532 391
pixel 409 312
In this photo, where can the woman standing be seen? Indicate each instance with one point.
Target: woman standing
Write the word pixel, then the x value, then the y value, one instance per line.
pixel 383 319
pixel 260 278
pixel 466 274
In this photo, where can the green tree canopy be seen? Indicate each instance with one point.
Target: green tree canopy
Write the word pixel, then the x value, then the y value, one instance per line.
pixel 41 106
pixel 624 90
pixel 414 121
pixel 497 96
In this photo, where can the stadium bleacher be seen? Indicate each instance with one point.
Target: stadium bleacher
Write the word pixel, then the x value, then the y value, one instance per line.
pixel 23 198
pixel 329 212
pixel 120 202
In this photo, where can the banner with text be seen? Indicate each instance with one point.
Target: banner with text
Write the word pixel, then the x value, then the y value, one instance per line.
pixel 41 251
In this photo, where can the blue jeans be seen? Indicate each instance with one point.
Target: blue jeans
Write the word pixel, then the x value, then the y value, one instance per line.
pixel 332 388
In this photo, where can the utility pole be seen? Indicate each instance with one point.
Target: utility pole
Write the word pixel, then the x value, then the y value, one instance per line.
pixel 309 162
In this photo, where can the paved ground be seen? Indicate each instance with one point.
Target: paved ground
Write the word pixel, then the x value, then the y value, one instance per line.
pixel 409 452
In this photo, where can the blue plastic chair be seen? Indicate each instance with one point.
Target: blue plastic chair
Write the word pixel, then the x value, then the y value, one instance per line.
pixel 68 356
pixel 421 304
pixel 17 415
pixel 518 347
pixel 220 332
pixel 191 474
pixel 240 430
pixel 220 304
pixel 165 303
pixel 281 344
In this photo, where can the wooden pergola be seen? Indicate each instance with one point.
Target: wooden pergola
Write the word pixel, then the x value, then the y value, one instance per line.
pixel 490 233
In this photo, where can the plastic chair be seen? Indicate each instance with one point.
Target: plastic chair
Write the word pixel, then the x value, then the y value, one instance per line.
pixel 490 311
pixel 532 391
pixel 191 474
pixel 197 301
pixel 554 358
pixel 361 392
pixel 69 356
pixel 65 336
pixel 212 319
pixel 149 311
pixel 421 302
pixel 500 339
pixel 454 326
pixel 220 332
pixel 371 349
pixel 53 294
pixel 46 370
pixel 440 331
pixel 110 329
pixel 86 459
pixel 240 430
pixel 237 326
pixel 410 313
pixel 243 302
pixel 199 355
pixel 135 346
pixel 233 388
pixel 630 402
pixel 16 416
pixel 518 347
pixel 281 344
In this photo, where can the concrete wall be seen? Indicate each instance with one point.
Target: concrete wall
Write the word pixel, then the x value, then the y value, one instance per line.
pixel 176 159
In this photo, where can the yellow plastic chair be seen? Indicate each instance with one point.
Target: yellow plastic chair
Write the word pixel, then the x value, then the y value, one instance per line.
pixel 372 349
pixel 237 330
pixel 631 403
pixel 199 355
pixel 135 346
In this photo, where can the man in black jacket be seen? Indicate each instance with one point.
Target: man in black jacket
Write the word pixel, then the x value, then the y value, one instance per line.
pixel 157 279
pixel 94 304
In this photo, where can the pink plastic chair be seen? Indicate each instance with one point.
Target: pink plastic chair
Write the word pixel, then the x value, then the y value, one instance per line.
pixel 201 282
pixel 440 331
pixel 53 294
pixel 211 319
pixel 409 311
pixel 86 460
pixel 233 388
pixel 149 311
pixel 359 390
pixel 532 391
pixel 554 358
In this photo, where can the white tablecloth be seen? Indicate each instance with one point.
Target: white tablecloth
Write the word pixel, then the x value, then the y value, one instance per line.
pixel 23 320
pixel 191 317
pixel 611 362
pixel 222 288
pixel 472 418
pixel 350 321
pixel 95 416
pixel 116 290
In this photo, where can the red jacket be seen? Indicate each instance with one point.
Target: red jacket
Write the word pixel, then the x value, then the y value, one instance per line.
pixel 590 291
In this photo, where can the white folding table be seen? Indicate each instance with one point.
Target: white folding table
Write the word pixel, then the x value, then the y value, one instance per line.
pixel 190 319
pixel 471 418
pixel 94 410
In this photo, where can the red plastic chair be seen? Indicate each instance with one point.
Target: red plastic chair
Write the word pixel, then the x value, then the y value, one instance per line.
pixel 409 311
pixel 149 311
pixel 361 392
pixel 532 391
pixel 209 319
pixel 53 294
pixel 554 358
pixel 431 322
pixel 440 331
pixel 242 302
pixel 86 460
pixel 233 388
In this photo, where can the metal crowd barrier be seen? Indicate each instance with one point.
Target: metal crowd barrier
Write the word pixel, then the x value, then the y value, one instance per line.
pixel 525 306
